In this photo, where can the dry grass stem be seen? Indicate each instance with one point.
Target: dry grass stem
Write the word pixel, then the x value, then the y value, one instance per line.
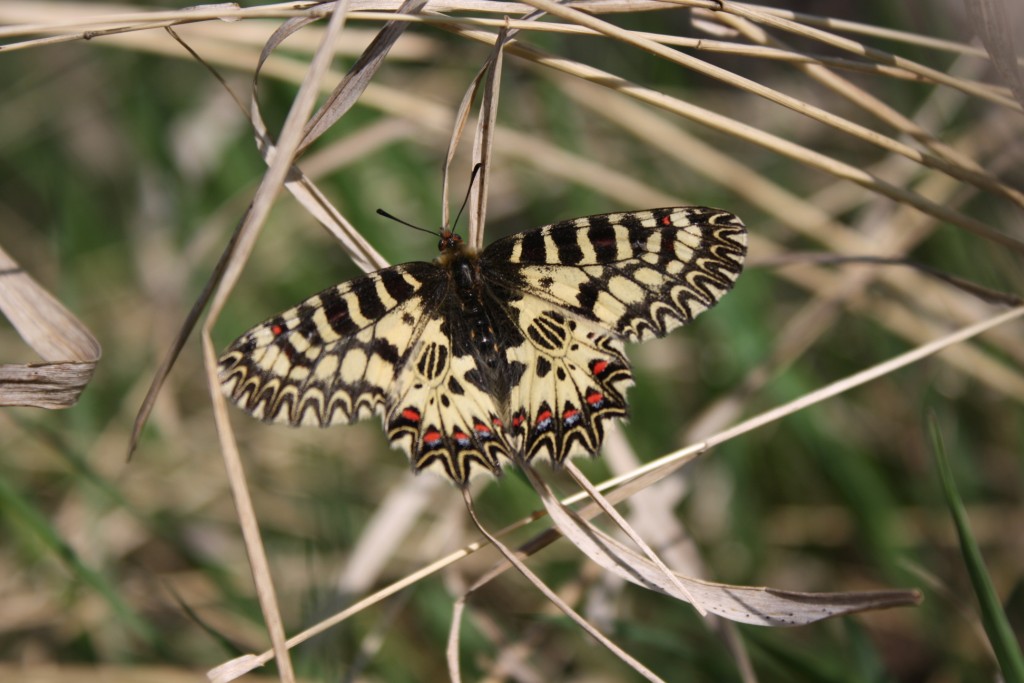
pixel 620 521
pixel 877 170
pixel 525 571
pixel 279 164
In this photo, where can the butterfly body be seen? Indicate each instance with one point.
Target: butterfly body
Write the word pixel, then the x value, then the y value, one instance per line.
pixel 518 349
pixel 482 323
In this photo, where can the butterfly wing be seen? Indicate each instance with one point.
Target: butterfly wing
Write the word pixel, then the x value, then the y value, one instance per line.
pixel 397 342
pixel 575 376
pixel 378 344
pixel 442 418
pixel 579 289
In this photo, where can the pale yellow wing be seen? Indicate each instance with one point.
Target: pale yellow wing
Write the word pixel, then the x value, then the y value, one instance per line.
pixel 581 288
pixel 378 344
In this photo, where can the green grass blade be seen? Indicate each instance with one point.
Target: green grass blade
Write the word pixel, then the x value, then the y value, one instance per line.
pixel 1000 635
pixel 18 509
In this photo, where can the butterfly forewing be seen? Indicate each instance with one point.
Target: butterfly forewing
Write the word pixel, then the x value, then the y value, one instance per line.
pixel 331 359
pixel 638 275
pixel 470 357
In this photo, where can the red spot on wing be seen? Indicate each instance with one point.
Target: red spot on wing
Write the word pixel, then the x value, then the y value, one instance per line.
pixel 594 397
pixel 599 366
pixel 411 415
pixel 569 414
pixel 432 437
pixel 518 419
pixel 666 221
pixel 460 436
pixel 544 415
pixel 496 422
pixel 481 428
pixel 277 330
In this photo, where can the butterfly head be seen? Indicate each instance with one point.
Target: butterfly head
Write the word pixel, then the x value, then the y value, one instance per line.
pixel 450 243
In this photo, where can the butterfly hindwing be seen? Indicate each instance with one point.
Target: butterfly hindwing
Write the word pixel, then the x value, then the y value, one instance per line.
pixel 437 415
pixel 576 377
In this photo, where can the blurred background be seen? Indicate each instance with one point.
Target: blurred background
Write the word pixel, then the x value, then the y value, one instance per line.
pixel 125 167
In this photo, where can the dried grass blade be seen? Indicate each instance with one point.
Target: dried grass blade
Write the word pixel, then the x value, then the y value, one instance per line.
pixel 459 608
pixel 873 30
pixel 68 347
pixel 514 560
pixel 621 522
pixel 483 141
pixel 357 247
pixel 358 77
pixel 997 23
pixel 458 128
pixel 258 563
pixel 755 136
pixel 234 669
pixel 451 650
pixel 297 183
pixel 776 20
pixel 757 605
pixel 980 179
pixel 278 170
pixel 760 606
pixel 280 163
pixel 855 95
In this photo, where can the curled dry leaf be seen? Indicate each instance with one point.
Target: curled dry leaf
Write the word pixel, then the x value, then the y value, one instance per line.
pixel 758 605
pixel 69 349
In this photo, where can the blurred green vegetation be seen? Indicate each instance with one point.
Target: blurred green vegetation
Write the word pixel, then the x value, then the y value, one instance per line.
pixel 124 174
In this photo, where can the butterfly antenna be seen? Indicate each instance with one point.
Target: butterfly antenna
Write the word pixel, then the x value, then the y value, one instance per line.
pixel 407 224
pixel 472 179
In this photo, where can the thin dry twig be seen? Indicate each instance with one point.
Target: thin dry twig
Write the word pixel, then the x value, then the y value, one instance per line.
pixel 280 162
pixel 553 597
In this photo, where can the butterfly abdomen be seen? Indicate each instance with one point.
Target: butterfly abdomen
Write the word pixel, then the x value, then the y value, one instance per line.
pixel 481 328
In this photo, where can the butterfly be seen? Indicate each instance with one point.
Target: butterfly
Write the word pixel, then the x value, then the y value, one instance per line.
pixel 477 356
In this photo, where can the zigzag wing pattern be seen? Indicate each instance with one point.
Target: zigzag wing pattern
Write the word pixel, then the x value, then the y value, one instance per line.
pixel 372 345
pixel 579 288
pixel 473 355
pixel 438 416
pixel 638 275
pixel 576 377
pixel 329 359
